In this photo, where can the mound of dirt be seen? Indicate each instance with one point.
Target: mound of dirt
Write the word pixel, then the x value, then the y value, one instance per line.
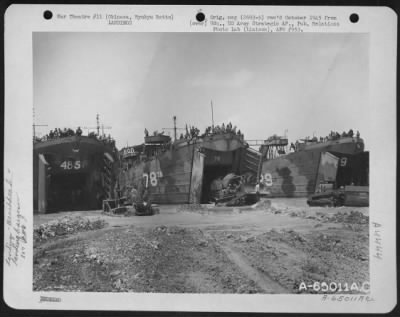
pixel 65 226
pixel 354 217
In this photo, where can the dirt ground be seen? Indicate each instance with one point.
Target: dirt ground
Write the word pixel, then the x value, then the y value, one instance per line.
pixel 269 248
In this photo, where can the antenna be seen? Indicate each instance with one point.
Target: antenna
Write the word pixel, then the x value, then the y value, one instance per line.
pixel 174 128
pixel 98 124
pixel 212 114
pixel 36 125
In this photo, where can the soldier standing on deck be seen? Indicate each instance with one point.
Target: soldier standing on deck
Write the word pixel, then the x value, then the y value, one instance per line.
pixel 351 133
pixel 79 131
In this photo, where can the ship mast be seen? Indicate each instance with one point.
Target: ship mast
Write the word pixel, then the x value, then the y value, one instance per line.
pixel 174 128
pixel 212 115
pixel 97 126
pixel 36 125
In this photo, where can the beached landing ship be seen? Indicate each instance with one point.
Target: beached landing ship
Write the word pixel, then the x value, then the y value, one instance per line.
pixel 312 165
pixel 182 171
pixel 73 172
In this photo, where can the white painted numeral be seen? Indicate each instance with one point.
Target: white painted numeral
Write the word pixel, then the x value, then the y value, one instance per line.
pixel 146 176
pixel 266 179
pixel 69 165
pixel 153 179
pixel 153 176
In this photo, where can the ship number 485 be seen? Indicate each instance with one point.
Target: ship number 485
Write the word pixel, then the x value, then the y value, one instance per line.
pixel 70 165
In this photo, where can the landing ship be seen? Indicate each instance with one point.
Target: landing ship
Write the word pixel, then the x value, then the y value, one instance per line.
pixel 312 165
pixel 182 171
pixel 73 172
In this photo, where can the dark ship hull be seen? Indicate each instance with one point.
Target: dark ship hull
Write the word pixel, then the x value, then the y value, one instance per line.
pixel 72 173
pixel 298 174
pixel 183 172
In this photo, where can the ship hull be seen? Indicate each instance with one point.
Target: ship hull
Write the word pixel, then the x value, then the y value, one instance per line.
pixel 167 176
pixel 72 173
pixel 298 174
pixel 184 172
pixel 291 176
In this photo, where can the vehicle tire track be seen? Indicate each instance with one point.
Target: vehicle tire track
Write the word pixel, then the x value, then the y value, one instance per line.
pixel 264 281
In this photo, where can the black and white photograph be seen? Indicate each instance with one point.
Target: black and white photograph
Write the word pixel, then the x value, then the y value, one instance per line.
pixel 232 162
pixel 200 163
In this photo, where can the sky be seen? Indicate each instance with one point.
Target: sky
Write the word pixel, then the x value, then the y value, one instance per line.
pixel 264 83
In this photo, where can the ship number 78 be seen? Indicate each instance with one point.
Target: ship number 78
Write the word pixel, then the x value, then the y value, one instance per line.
pixel 153 178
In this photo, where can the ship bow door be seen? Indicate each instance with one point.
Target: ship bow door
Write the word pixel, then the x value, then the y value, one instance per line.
pixel 108 175
pixel 42 184
pixel 196 180
pixel 327 171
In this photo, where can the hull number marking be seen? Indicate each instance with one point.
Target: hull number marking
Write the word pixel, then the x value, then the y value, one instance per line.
pixel 266 179
pixel 153 177
pixel 70 165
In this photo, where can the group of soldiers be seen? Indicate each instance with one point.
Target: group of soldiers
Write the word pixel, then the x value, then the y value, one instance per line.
pixel 333 135
pixel 66 132
pixel 58 133
pixel 336 135
pixel 222 129
pixel 193 132
pixel 104 138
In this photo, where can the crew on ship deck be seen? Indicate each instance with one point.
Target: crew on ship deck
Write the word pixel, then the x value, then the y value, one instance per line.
pixel 58 133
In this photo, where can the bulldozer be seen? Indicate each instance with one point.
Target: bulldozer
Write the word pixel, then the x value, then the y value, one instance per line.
pixel 229 191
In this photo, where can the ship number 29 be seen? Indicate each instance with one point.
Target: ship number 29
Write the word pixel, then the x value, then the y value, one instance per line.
pixel 266 179
pixel 70 165
pixel 152 176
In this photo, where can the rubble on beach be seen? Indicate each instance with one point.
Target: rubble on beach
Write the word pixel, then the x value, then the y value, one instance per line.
pixel 266 248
